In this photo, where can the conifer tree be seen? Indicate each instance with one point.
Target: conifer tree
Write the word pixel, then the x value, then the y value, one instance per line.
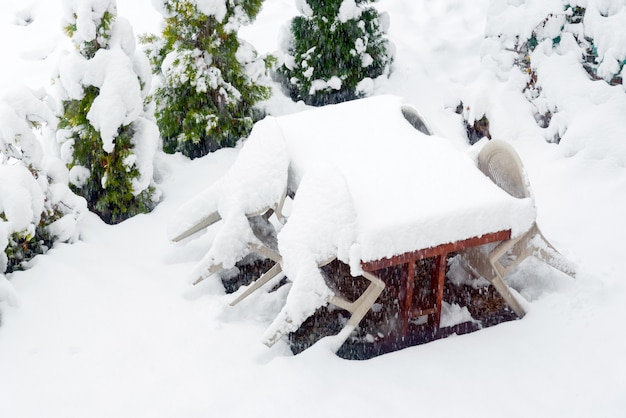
pixel 336 48
pixel 209 79
pixel 109 136
pixel 577 22
pixel 589 31
pixel 36 206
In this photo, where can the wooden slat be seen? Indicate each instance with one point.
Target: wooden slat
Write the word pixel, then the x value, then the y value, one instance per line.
pixel 417 312
pixel 409 286
pixel 435 251
pixel 439 277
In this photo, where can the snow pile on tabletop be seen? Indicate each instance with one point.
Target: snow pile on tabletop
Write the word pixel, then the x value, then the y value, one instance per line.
pixel 256 182
pixel 337 157
pixel 444 197
pixel 321 227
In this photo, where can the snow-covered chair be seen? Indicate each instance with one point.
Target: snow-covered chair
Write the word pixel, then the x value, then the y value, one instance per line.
pixel 263 239
pixel 320 230
pixel 413 116
pixel 244 199
pixel 500 162
pixel 213 216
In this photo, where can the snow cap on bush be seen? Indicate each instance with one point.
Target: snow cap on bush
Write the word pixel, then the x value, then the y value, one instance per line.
pixel 208 79
pixel 334 51
pixel 108 134
pixel 36 206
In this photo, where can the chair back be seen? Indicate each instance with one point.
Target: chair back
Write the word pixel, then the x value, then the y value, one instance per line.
pixel 500 162
pixel 416 120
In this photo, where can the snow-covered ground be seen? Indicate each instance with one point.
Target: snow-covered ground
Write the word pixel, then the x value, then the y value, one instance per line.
pixel 110 326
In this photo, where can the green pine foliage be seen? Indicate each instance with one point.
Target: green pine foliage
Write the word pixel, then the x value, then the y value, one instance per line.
pixel 336 49
pixel 37 208
pixel 209 79
pixel 105 178
pixel 20 246
pixel 108 188
pixel 23 246
pixel 571 22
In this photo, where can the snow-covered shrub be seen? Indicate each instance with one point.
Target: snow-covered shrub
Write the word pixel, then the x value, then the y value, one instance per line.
pixel 334 51
pixel 535 38
pixel 477 129
pixel 597 27
pixel 36 206
pixel 107 129
pixel 209 79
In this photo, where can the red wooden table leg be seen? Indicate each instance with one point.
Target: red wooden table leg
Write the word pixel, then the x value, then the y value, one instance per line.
pixel 407 306
pixel 439 277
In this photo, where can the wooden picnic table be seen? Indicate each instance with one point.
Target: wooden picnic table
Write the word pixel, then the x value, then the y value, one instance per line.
pixel 413 195
pixel 412 306
pixel 372 190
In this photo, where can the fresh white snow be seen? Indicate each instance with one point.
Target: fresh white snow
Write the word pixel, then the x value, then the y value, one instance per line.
pixel 444 197
pixel 110 325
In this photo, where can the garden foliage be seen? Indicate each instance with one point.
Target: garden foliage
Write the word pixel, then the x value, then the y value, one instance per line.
pixel 334 51
pixel 106 128
pixel 209 80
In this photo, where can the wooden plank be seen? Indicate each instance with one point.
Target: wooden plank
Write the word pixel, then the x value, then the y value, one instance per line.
pixel 406 286
pixel 439 278
pixel 416 312
pixel 407 257
pixel 409 287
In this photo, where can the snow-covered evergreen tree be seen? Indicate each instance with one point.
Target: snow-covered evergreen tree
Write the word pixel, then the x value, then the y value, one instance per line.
pixel 334 51
pixel 209 79
pixel 107 129
pixel 596 26
pixel 36 206
pixel 530 40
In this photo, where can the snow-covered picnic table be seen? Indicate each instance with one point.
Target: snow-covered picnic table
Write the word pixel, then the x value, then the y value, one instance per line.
pixel 407 190
pixel 368 187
